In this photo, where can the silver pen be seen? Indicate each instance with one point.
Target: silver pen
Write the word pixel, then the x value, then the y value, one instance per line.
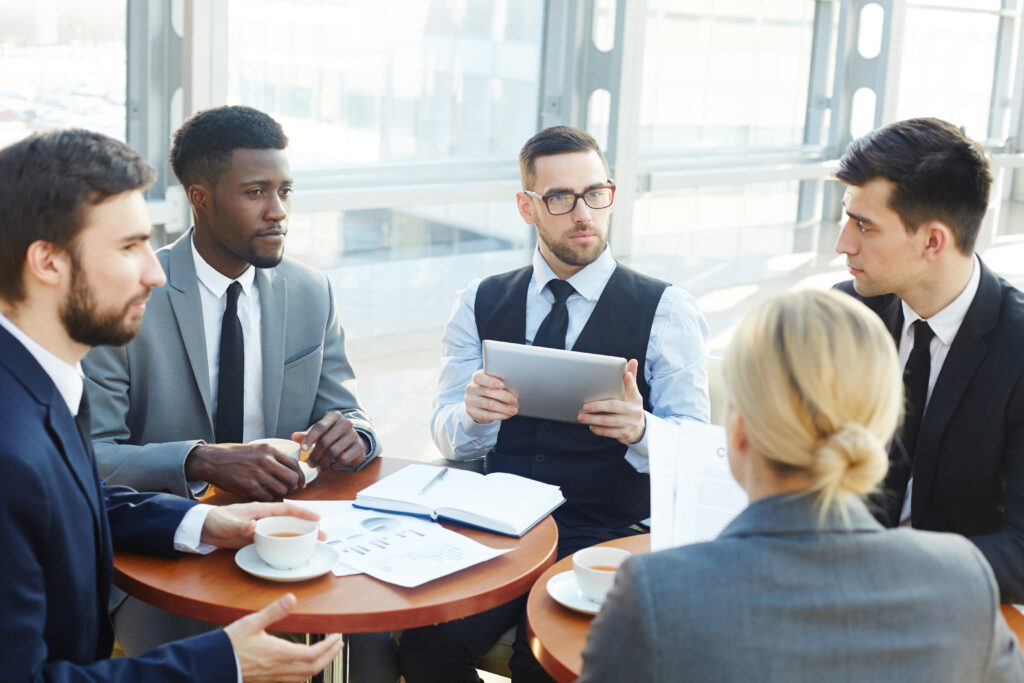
pixel 433 480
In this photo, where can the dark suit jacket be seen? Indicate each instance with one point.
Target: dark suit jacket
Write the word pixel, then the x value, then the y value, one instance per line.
pixel 58 526
pixel 969 461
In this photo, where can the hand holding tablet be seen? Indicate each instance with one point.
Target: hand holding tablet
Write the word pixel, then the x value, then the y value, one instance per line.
pixel 565 386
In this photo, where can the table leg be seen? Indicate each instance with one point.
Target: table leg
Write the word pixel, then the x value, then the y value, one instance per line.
pixel 336 671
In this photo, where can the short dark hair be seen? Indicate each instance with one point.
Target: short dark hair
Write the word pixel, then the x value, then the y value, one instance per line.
pixel 939 174
pixel 46 182
pixel 554 140
pixel 202 147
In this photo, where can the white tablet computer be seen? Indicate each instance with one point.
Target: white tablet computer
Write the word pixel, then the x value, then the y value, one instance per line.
pixel 553 384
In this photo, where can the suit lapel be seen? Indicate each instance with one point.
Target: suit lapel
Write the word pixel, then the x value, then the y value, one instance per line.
pixel 273 324
pixel 965 354
pixel 892 316
pixel 69 442
pixel 59 423
pixel 183 293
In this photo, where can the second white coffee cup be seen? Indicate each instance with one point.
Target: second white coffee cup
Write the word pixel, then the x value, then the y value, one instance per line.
pixel 283 446
pixel 285 542
pixel 595 569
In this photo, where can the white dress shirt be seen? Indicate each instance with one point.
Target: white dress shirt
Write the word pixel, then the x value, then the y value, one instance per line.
pixel 69 382
pixel 213 288
pixel 675 366
pixel 945 324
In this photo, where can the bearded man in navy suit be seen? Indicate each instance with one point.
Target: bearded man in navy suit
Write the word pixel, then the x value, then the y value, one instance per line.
pixel 76 269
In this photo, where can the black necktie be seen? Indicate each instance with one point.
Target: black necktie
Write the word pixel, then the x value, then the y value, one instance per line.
pixel 915 386
pixel 82 421
pixel 551 332
pixel 230 377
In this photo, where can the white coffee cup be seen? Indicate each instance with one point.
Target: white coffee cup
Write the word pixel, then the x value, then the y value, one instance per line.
pixel 595 569
pixel 285 542
pixel 283 446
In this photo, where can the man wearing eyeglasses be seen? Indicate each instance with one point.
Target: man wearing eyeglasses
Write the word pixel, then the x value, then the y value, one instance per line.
pixel 573 296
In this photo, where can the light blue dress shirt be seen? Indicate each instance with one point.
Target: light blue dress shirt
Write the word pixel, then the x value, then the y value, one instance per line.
pixel 676 367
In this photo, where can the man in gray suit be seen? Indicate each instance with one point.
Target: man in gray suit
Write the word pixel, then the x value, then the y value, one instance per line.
pixel 156 423
pixel 240 344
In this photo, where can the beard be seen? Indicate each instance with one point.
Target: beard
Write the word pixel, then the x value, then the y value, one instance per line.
pixel 87 324
pixel 564 250
pixel 262 260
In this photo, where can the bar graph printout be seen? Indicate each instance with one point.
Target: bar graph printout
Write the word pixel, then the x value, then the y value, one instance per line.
pixel 399 549
pixel 693 494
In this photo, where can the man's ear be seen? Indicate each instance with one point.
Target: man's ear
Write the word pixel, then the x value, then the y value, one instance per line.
pixel 938 237
pixel 525 207
pixel 200 197
pixel 47 263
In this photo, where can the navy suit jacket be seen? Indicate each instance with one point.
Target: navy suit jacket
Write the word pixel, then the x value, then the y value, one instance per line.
pixel 59 524
pixel 969 460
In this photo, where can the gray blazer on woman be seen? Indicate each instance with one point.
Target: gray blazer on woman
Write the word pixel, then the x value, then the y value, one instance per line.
pixel 778 597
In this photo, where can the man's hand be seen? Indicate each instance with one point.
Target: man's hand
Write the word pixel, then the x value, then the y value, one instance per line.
pixel 264 658
pixel 232 526
pixel 488 400
pixel 624 420
pixel 256 471
pixel 335 443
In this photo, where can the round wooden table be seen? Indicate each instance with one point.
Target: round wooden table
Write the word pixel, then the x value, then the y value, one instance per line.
pixel 558 634
pixel 212 588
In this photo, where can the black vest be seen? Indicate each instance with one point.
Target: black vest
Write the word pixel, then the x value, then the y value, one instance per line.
pixel 600 487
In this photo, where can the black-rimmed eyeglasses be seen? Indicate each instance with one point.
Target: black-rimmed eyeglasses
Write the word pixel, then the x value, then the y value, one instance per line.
pixel 560 203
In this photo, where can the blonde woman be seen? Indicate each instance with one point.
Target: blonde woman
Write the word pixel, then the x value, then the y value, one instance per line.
pixel 804 585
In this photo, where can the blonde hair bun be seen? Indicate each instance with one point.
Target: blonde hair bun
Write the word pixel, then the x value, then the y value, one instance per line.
pixel 852 460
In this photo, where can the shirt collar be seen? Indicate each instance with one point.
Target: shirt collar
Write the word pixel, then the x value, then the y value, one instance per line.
pixel 946 323
pixel 589 282
pixel 216 282
pixel 67 378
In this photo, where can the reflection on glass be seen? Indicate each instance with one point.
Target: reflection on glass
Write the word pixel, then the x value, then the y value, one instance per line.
pixel 361 82
pixel 720 236
pixel 62 64
pixel 327 239
pixel 725 74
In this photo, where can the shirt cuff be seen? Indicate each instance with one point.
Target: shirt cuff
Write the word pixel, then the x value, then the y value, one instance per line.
pixel 475 429
pixel 637 454
pixel 196 487
pixel 189 532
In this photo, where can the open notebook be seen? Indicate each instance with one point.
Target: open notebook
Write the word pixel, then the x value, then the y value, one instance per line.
pixel 505 503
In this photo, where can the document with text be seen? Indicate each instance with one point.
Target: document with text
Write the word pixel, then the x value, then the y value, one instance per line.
pixel 693 494
pixel 399 549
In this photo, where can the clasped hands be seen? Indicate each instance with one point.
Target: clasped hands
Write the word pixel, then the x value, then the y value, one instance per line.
pixel 624 420
pixel 260 472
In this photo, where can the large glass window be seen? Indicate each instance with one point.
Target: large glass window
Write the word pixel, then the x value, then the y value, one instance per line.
pixel 62 64
pixel 725 74
pixel 937 79
pixel 361 82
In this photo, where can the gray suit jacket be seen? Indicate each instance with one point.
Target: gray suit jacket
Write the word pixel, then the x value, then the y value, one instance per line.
pixel 151 401
pixel 776 597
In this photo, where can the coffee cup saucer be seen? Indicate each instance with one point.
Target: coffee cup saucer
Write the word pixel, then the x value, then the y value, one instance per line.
pixel 323 559
pixel 564 590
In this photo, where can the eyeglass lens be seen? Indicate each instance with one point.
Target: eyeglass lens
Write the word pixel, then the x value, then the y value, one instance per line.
pixel 598 198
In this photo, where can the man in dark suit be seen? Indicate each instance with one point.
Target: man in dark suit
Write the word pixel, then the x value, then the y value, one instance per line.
pixel 916 194
pixel 76 269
